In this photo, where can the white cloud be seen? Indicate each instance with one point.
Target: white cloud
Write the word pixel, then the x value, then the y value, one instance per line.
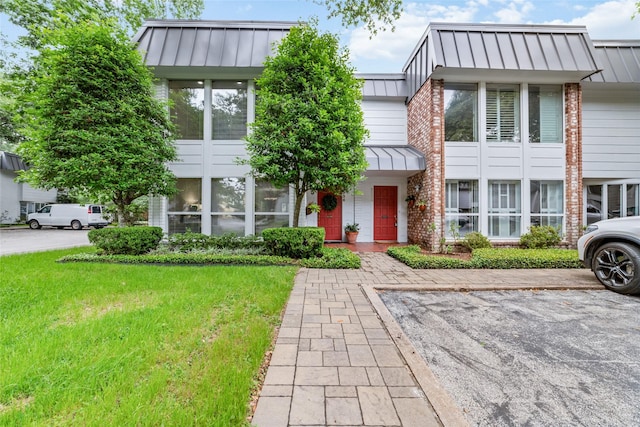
pixel 515 12
pixel 608 20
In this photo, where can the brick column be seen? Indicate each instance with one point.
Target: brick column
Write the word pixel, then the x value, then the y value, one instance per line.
pixel 573 177
pixel 425 127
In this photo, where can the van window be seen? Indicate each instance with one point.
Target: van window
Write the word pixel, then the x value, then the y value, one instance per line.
pixel 96 209
pixel 46 209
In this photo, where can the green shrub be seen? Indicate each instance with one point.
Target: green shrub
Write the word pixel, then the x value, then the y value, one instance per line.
pixel 298 243
pixel 182 259
pixel 233 241
pixel 540 237
pixel 125 240
pixel 333 258
pixel 501 258
pixel 189 241
pixel 475 240
pixel 525 258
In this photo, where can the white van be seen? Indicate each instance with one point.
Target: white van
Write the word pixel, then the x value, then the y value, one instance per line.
pixel 68 215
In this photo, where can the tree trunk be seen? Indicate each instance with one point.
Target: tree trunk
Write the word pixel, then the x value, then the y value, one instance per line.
pixel 297 208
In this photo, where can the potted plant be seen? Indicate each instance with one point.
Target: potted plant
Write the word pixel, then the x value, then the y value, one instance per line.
pixel 351 231
pixel 312 208
pixel 422 205
pixel 411 200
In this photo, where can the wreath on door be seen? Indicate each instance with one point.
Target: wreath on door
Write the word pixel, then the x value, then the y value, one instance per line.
pixel 329 202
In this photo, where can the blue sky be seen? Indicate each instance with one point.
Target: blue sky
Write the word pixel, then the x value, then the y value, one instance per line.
pixel 387 52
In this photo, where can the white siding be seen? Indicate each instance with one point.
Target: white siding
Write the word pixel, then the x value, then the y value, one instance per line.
pixel 611 131
pixel 545 161
pixel 502 161
pixel 386 122
pixel 462 159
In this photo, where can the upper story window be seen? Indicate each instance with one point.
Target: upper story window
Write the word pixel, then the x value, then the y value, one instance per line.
pixel 187 108
pixel 545 113
pixel 229 110
pixel 503 113
pixel 460 112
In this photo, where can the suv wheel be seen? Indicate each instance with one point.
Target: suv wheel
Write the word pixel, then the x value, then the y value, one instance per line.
pixel 617 267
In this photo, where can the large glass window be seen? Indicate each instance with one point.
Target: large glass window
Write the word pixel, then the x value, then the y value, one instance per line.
pixel 505 209
pixel 594 203
pixel 503 113
pixel 633 199
pixel 227 206
pixel 545 113
pixel 547 203
pixel 460 112
pixel 461 206
pixel 185 206
pixel 614 201
pixel 271 206
pixel 229 110
pixel 187 108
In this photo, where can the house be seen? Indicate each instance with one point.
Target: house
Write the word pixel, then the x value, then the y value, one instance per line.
pixel 17 200
pixel 495 127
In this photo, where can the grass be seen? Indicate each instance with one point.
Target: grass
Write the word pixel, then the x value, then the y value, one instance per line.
pixel 112 344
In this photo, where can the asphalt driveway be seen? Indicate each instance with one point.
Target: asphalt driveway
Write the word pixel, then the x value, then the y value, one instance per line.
pixel 21 240
pixel 535 358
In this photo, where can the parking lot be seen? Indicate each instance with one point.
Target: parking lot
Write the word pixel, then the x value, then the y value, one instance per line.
pixel 21 240
pixel 536 358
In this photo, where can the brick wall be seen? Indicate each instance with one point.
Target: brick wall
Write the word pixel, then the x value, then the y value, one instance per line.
pixel 573 178
pixel 425 116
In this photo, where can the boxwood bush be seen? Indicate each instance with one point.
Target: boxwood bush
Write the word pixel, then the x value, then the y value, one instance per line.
pixel 540 237
pixel 198 242
pixel 475 240
pixel 333 258
pixel 125 240
pixel 298 243
pixel 490 258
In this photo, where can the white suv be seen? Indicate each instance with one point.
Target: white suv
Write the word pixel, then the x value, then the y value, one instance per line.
pixel 611 249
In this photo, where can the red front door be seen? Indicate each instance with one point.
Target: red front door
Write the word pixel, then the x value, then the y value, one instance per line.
pixel 331 220
pixel 385 213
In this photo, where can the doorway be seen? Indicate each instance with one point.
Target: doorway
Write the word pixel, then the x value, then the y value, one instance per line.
pixel 385 213
pixel 330 220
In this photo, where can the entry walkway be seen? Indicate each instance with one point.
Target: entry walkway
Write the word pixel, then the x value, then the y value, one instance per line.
pixel 340 359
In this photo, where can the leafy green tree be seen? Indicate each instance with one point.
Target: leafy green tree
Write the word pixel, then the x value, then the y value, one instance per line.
pixel 309 129
pixel 40 16
pixel 373 14
pixel 9 135
pixel 93 124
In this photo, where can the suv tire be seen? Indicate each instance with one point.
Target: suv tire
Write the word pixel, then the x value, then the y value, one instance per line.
pixel 617 267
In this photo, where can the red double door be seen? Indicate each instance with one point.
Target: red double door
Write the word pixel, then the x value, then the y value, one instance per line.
pixel 385 215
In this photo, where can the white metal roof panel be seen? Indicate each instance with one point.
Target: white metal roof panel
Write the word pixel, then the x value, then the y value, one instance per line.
pixel 394 158
pixel 620 61
pixel 181 43
pixel 383 85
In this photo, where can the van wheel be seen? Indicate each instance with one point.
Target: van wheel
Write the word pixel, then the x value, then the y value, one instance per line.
pixel 76 225
pixel 34 225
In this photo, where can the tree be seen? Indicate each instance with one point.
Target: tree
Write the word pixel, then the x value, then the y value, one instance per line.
pixel 309 129
pixel 374 14
pixel 93 124
pixel 38 16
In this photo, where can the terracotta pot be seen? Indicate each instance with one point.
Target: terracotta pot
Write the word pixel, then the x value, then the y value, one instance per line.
pixel 410 203
pixel 351 236
pixel 422 208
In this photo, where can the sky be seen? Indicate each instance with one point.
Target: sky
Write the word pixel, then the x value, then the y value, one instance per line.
pixel 389 50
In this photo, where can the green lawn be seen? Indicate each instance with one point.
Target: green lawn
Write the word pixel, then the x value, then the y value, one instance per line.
pixel 112 344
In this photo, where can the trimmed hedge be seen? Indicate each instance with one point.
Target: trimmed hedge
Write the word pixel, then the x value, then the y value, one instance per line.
pixel 189 242
pixel 125 240
pixel 182 259
pixel 298 243
pixel 333 258
pixel 503 258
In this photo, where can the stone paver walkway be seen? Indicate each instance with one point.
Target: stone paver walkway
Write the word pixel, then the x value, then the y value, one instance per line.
pixel 335 362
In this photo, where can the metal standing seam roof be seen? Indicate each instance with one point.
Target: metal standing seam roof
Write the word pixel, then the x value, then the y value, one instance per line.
pixel 394 158
pixel 527 48
pixel 11 162
pixel 384 86
pixel 620 61
pixel 184 43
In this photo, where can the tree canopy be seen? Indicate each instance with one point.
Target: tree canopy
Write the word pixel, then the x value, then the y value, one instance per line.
pixel 93 124
pixel 373 14
pixel 309 130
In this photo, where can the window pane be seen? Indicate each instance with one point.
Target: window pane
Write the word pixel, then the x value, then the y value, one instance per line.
pixel 460 112
pixel 184 223
pixel 270 198
pixel 187 108
pixel 222 224
pixel 461 206
pixel 227 195
pixel 547 197
pixel 594 203
pixel 270 221
pixel 505 209
pixel 545 113
pixel 229 110
pixel 633 199
pixel 503 113
pixel 614 201
pixel 553 221
pixel 188 197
